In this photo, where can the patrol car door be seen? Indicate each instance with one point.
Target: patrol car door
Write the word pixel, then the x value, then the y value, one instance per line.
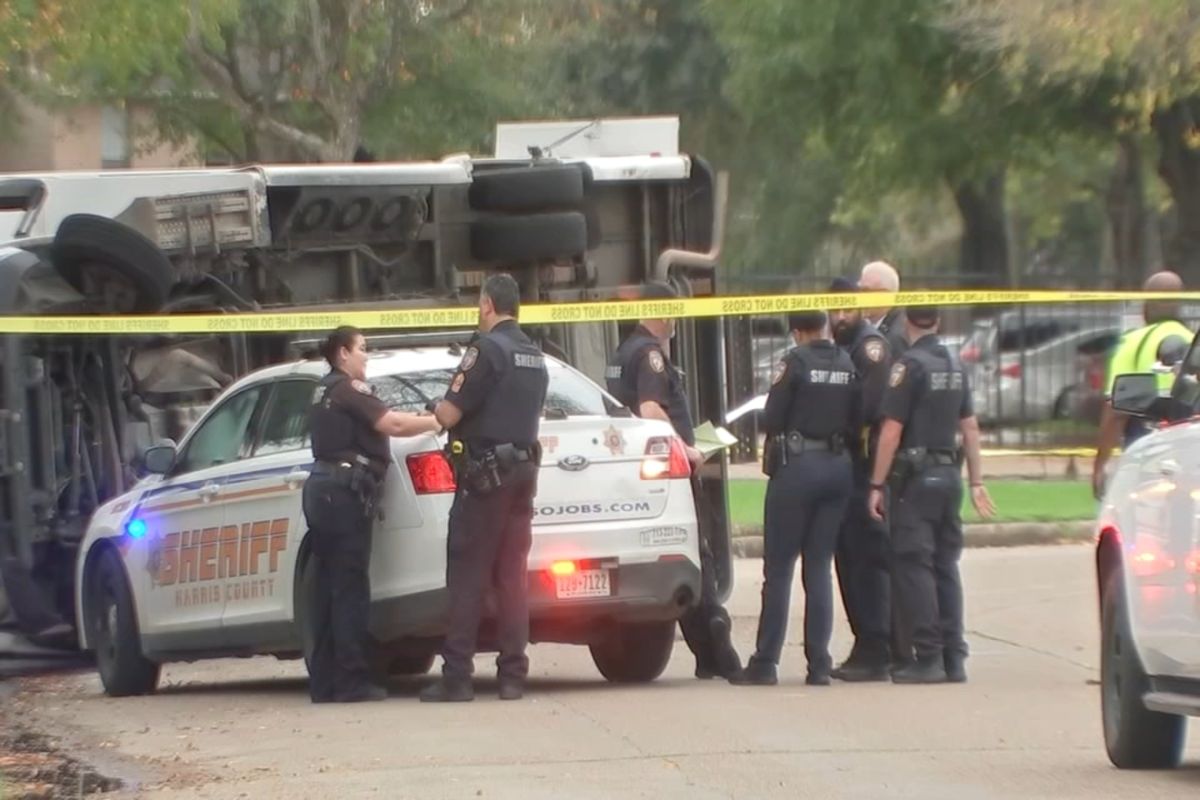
pixel 190 555
pixel 264 505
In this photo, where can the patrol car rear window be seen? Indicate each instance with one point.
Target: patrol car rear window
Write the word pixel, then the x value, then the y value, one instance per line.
pixel 568 392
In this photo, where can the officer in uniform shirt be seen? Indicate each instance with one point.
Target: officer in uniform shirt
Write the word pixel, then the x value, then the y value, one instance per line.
pixel 492 409
pixel 350 428
pixel 928 402
pixel 810 417
pixel 863 556
pixel 642 377
pixel 880 276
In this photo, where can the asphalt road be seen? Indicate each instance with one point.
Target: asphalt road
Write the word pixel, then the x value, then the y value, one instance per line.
pixel 1026 725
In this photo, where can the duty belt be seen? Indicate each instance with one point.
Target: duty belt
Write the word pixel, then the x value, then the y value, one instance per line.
pixel 797 443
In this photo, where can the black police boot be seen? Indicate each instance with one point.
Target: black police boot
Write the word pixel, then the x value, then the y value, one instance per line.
pixel 512 688
pixel 449 690
pixel 729 663
pixel 756 673
pixel 853 661
pixel 863 671
pixel 817 677
pixel 923 670
pixel 956 670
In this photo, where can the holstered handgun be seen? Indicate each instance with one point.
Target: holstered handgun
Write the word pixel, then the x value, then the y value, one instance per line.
pixel 774 455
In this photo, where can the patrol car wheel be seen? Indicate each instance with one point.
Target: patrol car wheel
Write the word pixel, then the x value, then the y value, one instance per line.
pixel 528 188
pixel 105 259
pixel 529 238
pixel 417 664
pixel 1135 737
pixel 124 671
pixel 634 652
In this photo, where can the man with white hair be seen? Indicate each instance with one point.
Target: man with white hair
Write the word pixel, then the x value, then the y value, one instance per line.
pixel 880 276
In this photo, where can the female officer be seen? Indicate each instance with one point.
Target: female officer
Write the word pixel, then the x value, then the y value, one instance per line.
pixel 350 429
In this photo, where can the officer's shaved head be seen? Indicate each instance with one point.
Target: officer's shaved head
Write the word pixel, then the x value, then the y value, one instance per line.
pixel 879 276
pixel 1160 310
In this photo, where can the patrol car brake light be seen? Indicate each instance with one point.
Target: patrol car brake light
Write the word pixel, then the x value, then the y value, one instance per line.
pixel 665 459
pixel 1011 371
pixel 430 472
pixel 562 568
pixel 1149 560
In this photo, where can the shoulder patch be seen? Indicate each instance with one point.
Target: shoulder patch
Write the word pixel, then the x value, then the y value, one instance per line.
pixel 362 387
pixel 459 379
pixel 897 376
pixel 778 373
pixel 655 357
pixel 469 358
pixel 874 350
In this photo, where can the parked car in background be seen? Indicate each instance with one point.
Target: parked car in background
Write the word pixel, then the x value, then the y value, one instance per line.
pixel 1040 363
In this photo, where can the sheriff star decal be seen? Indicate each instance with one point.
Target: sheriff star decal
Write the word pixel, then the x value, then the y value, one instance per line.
pixel 897 376
pixel 778 373
pixel 874 349
pixel 656 361
pixel 614 441
pixel 469 358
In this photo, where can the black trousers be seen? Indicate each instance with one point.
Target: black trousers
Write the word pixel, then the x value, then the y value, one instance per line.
pixel 488 548
pixel 706 626
pixel 341 542
pixel 864 564
pixel 804 506
pixel 927 542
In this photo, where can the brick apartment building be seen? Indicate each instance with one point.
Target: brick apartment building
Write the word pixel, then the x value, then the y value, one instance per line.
pixel 87 137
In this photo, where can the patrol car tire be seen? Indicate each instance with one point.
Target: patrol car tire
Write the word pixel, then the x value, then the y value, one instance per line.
pixel 525 189
pixel 409 665
pixel 1134 736
pixel 86 242
pixel 529 238
pixel 306 582
pixel 635 652
pixel 124 670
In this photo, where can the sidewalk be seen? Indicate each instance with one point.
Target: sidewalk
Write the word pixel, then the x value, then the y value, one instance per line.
pixel 1018 465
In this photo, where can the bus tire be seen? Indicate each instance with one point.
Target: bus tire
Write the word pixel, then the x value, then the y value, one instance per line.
pixel 89 248
pixel 529 238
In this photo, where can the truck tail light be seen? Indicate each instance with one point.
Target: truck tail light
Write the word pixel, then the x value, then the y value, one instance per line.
pixel 430 472
pixel 665 459
pixel 1011 371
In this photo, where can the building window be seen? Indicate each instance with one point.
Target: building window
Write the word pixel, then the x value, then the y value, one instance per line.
pixel 114 138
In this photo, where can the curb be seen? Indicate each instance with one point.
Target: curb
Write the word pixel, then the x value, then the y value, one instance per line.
pixel 748 540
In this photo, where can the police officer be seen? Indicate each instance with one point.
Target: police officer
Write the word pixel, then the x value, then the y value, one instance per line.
pixel 643 378
pixel 927 402
pixel 350 428
pixel 863 556
pixel 492 408
pixel 810 416
pixel 1138 351
pixel 880 276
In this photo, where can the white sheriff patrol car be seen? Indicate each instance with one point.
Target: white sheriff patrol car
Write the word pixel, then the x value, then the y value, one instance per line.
pixel 1148 573
pixel 208 555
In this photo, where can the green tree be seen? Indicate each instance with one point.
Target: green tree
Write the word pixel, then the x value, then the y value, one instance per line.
pixel 1137 59
pixel 304 79
pixel 899 101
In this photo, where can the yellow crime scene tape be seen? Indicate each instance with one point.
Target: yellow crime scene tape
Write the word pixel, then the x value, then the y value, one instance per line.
pixel 551 313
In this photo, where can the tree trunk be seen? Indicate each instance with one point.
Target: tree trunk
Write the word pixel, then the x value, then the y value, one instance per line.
pixel 1179 167
pixel 984 246
pixel 1126 205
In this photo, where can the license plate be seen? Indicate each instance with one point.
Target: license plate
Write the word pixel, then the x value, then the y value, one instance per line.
pixel 585 583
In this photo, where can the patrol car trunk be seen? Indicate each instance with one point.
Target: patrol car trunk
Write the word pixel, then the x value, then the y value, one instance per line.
pixel 600 469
